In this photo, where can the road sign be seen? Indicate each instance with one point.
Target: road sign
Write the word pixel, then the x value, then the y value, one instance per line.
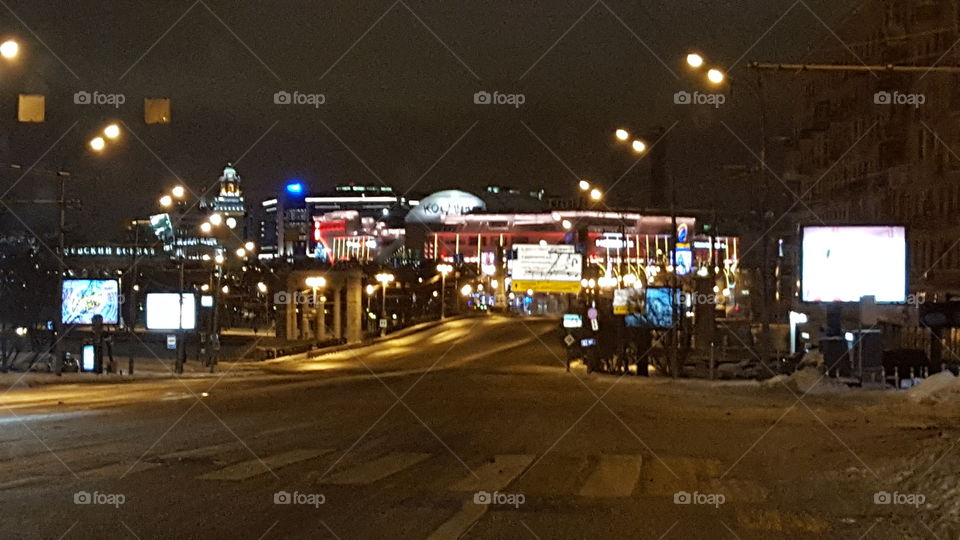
pixel 383 323
pixel 171 342
pixel 594 324
pixel 592 313
pixel 547 268
pixel 569 340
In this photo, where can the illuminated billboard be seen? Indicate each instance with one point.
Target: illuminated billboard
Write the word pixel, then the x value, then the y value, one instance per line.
pixel 162 310
pixel 82 299
pixel 846 263
pixel 546 268
pixel 659 304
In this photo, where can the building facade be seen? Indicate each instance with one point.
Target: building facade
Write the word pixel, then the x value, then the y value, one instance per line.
pixel 882 148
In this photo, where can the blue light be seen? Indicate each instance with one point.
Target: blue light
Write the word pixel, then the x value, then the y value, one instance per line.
pixel 295 188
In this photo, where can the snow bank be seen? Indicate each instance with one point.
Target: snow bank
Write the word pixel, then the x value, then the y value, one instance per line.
pixel 937 387
pixel 807 381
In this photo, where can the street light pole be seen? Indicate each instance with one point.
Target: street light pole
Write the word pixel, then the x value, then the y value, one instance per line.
pixel 181 349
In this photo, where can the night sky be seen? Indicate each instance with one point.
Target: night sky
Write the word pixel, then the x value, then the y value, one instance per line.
pixel 399 100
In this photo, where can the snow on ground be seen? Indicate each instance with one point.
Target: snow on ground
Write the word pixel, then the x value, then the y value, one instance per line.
pixel 807 381
pixel 936 388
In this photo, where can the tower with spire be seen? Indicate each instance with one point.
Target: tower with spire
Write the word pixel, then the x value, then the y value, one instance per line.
pixel 229 201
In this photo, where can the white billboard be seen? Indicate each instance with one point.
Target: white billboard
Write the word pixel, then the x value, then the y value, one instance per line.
pixel 547 268
pixel 845 263
pixel 162 310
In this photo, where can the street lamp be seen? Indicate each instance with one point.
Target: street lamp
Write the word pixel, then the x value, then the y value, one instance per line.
pixel 98 144
pixel 622 134
pixel 178 191
pixel 596 194
pixel 444 269
pixel 584 185
pixel 249 246
pixel 9 49
pixel 216 219
pixel 715 76
pixel 638 146
pixel 694 60
pixel 112 131
pixel 166 201
pixel 206 227
pixel 384 278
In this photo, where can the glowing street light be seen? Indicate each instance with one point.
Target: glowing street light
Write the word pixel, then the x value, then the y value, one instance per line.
pixel 262 287
pixel 166 201
pixel 206 227
pixel 241 252
pixel 694 60
pixel 9 49
pixel 112 131
pixel 384 278
pixel 466 290
pixel 371 289
pixel 715 76
pixel 596 194
pixel 232 222
pixel 178 191
pixel 249 246
pixel 216 219
pixel 218 259
pixel 316 282
pixel 639 146
pixel 98 144
pixel 622 134
pixel 444 269
pixel 567 224
pixel 584 185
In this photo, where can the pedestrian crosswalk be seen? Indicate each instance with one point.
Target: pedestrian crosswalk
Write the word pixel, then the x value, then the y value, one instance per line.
pixel 473 485
pixel 256 467
pixel 597 476
pixel 376 469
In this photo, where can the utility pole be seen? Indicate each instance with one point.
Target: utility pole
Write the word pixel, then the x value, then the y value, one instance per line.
pixel 181 349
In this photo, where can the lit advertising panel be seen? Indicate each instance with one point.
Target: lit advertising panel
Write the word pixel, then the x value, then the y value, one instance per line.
pixel 846 263
pixel 162 310
pixel 547 268
pixel 82 299
pixel 658 309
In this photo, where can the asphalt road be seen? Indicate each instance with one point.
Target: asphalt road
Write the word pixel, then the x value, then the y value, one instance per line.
pixel 469 429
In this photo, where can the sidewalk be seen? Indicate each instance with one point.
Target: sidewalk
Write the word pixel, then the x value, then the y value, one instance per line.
pixel 145 369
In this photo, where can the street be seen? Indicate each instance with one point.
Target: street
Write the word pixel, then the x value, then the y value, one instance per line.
pixel 473 429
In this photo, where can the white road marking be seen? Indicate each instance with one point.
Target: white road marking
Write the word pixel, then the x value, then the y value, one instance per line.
pixel 117 470
pixel 202 452
pixel 491 476
pixel 378 469
pixel 460 522
pixel 614 476
pixel 256 467
pixel 495 475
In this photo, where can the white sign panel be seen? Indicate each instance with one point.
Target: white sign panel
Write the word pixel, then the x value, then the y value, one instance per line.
pixel 846 263
pixel 547 263
pixel 162 310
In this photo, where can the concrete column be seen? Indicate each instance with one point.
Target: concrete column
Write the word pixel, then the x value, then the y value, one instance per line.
pixel 321 321
pixel 305 326
pixel 290 316
pixel 337 327
pixel 354 308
